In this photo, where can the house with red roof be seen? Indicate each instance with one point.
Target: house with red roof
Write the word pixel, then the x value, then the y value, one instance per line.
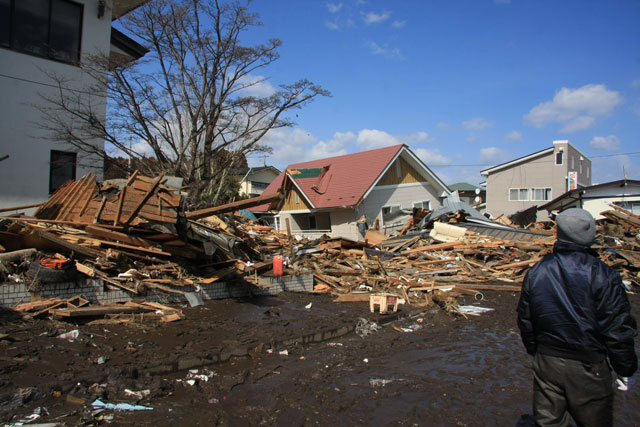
pixel 337 196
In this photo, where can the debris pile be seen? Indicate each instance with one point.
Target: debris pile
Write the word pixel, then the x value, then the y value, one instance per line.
pixel 135 235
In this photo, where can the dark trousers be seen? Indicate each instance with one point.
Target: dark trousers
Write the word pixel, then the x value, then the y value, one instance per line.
pixel 564 387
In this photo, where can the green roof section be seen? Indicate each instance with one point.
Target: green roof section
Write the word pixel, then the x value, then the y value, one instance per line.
pixel 305 173
pixel 462 186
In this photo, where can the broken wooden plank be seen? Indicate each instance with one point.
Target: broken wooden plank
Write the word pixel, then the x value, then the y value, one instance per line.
pixel 230 207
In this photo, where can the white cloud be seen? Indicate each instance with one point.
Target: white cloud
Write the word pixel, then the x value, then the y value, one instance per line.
pixel 609 143
pixel 494 155
pixel 432 157
pixel 385 51
pixel 398 24
pixel 415 138
pixel 442 125
pixel 375 18
pixel 575 109
pixel 289 146
pixel 514 136
pixel 476 124
pixel 635 83
pixel 334 7
pixel 369 139
pixel 332 25
pixel 257 86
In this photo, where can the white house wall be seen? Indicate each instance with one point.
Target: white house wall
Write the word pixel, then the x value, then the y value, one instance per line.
pixel 401 195
pixel 25 174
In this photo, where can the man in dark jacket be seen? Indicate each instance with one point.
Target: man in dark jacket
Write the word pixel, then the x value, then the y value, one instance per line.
pixel 574 318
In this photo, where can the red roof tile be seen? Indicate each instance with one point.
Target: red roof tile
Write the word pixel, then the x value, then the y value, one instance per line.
pixel 343 181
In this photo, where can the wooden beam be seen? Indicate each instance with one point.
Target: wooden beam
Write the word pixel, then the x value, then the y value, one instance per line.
pixel 230 207
pixel 144 199
pixel 17 208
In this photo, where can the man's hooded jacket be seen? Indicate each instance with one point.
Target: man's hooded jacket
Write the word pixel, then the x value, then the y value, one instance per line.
pixel 573 305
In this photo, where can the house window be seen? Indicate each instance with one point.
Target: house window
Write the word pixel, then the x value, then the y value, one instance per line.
pixel 62 169
pixel 572 163
pixel 587 171
pixel 426 204
pixel 390 213
pixel 258 186
pixel 312 222
pixel 276 222
pixel 518 194
pixel 539 194
pixel 46 28
pixel 559 158
pixel 297 199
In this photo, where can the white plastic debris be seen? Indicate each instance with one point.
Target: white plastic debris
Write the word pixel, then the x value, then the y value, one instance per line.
pixel 308 306
pixel 379 382
pixel 137 394
pixel 120 406
pixel 472 309
pixel 71 335
pixel 365 327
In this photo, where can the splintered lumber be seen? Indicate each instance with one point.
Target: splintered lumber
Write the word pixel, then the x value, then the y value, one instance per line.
pixel 527 263
pixel 436 247
pixel 100 310
pixel 361 297
pixel 230 207
pixel 144 199
pixel 76 249
pixel 18 208
pixel 375 237
pixel 104 233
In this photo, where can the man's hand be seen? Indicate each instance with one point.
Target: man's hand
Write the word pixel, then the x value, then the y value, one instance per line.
pixel 624 383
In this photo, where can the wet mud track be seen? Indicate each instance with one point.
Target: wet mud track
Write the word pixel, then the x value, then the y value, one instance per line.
pixel 271 361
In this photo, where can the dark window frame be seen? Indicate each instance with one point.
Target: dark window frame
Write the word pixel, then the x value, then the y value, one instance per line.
pixel 52 166
pixel 50 54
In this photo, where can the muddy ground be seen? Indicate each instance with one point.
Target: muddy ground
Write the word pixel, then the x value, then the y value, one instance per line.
pixel 272 361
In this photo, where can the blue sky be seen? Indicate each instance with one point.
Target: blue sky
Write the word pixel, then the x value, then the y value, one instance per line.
pixel 466 84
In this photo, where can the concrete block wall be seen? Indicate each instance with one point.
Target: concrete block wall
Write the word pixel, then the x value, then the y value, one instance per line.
pixel 99 292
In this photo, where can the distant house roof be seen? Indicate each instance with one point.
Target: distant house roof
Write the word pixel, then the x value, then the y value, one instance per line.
pixel 343 180
pixel 528 157
pixel 462 186
pixel 245 171
pixel 570 197
pixel 511 163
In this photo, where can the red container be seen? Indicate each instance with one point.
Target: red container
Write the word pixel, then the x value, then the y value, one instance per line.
pixel 278 266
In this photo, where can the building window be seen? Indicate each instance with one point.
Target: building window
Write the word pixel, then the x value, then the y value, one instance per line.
pixel 276 222
pixel 539 194
pixel 258 186
pixel 390 214
pixel 559 158
pixel 580 168
pixel 61 169
pixel 47 28
pixel 587 171
pixel 518 194
pixel 297 198
pixel 426 204
pixel 312 222
pixel 572 163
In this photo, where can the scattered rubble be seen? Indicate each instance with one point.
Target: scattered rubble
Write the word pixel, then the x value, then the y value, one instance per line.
pixel 136 235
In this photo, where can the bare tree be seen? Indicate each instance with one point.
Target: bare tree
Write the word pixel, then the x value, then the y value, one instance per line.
pixel 187 105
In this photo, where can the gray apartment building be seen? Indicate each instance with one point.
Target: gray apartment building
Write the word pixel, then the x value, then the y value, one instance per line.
pixel 536 179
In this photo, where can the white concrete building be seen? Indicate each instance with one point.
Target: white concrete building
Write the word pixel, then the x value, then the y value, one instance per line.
pixel 39 38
